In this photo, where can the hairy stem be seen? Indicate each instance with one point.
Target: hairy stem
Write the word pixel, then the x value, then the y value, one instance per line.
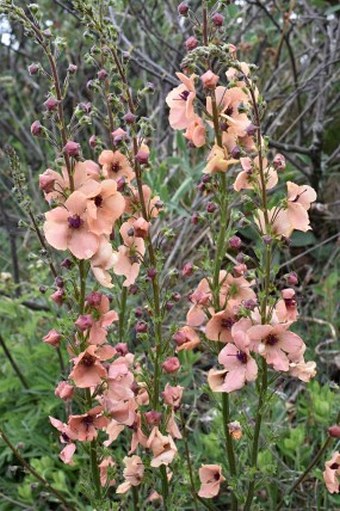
pixel 229 445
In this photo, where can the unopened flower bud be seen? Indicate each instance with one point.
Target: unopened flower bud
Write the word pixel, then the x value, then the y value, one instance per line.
pixel 176 297
pixel 267 239
pixel 42 289
pixel 67 264
pixel 152 272
pixel 122 348
pixel 102 75
pixel 138 312
pixel 133 290
pixel 188 269
pixel 235 152
pixel 183 9
pixel 209 79
pixel 153 418
pixel 33 69
pixel 235 242
pixel 217 19
pixel 59 282
pixel 169 306
pixel 53 338
pixel 64 391
pixel 251 130
pixel 211 207
pixel 84 322
pixel 279 162
pixel 141 327
pixel 58 296
pixel 171 365
pixel 93 141
pixel 36 128
pixel 118 135
pixel 250 304
pixel 94 299
pixel 191 43
pixel 235 430
pixel 51 104
pixel 195 218
pixel 121 184
pixel 293 279
pixel 72 68
pixel 72 148
pixel 142 157
pixel 334 431
pixel 129 118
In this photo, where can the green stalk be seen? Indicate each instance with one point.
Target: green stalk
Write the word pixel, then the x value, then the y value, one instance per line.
pixel 121 326
pixel 187 455
pixel 229 444
pixel 135 498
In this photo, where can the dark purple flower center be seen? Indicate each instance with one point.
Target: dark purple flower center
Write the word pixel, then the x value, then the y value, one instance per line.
pixel 88 360
pixel 98 201
pixel 74 221
pixel 271 340
pixel 88 420
pixel 242 357
pixel 115 167
pixel 227 323
pixel 184 95
pixel 335 466
pixel 290 303
pixel 229 111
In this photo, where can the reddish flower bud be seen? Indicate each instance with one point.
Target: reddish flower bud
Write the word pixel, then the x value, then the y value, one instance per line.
pixel 235 152
pixel 138 312
pixel 51 104
pixel 142 157
pixel 267 239
pixel 217 19
pixel 235 242
pixel 211 207
pixel 94 299
pixel 195 218
pixel 67 264
pixel 121 184
pixel 122 349
pixel 176 297
pixel 42 289
pixel 133 290
pixel 141 327
pixel 152 272
pixel 84 322
pixel 250 304
pixel 334 431
pixel 169 305
pixel 279 162
pixel 102 75
pixel 118 135
pixel 47 180
pixel 72 68
pixel 209 79
pixel 171 365
pixel 293 279
pixel 72 148
pixel 191 43
pixel 183 9
pixel 93 141
pixel 153 418
pixel 58 296
pixel 129 118
pixel 251 130
pixel 188 269
pixel 36 128
pixel 33 69
pixel 64 390
pixel 59 282
pixel 53 338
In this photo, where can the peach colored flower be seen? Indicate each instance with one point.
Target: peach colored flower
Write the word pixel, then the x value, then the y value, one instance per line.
pixel 279 224
pixel 235 290
pixel 88 370
pixel 218 161
pixel 105 464
pixel 105 205
pixel 172 395
pixel 172 427
pixel 129 256
pixel 113 429
pixel 138 437
pixel 211 478
pixel 163 448
pixel 84 427
pixel 153 205
pixel 195 132
pixel 219 326
pixel 201 300
pixel 286 308
pixel 133 473
pixel 64 390
pixel 52 338
pixel 102 261
pixel 331 473
pixel 66 455
pixel 180 101
pixel 103 317
pixel 186 338
pixel 299 201
pixel 250 176
pixel 66 227
pixel 276 344
pixel 305 371
pixel 115 165
pixel 240 367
